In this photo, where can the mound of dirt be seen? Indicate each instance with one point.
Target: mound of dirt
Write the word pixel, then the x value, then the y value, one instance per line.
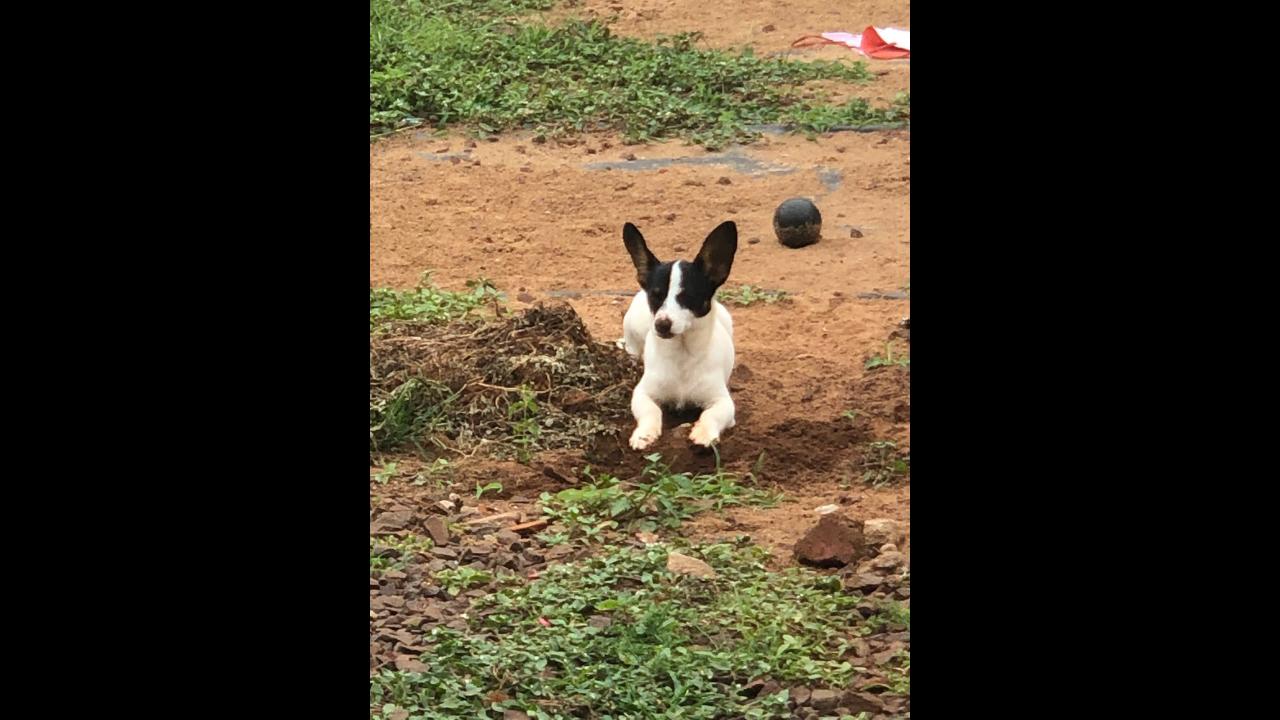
pixel 531 381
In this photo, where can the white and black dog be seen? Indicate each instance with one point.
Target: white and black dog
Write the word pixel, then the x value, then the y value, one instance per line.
pixel 684 335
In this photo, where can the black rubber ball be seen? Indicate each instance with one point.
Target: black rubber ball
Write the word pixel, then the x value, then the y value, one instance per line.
pixel 797 223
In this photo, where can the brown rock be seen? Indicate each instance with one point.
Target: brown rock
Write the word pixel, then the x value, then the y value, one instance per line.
pixel 685 565
pixel 859 702
pixel 834 542
pixel 879 531
pixel 863 582
pixel 889 561
pixel 396 520
pixel 438 529
pixel 822 700
pixel 409 663
pixel 800 695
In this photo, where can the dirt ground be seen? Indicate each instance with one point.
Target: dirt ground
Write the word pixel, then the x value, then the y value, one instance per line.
pixel 544 223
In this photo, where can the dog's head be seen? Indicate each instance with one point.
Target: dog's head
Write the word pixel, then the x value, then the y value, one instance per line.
pixel 679 292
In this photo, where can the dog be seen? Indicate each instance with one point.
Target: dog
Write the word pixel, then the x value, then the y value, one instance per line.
pixel 684 336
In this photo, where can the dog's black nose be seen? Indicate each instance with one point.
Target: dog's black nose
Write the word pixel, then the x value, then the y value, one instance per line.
pixel 663 326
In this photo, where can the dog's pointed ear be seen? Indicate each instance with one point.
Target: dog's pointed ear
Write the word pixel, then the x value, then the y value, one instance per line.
pixel 640 255
pixel 716 256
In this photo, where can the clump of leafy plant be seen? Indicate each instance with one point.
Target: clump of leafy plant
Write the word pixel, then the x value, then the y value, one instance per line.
pixel 617 635
pixel 659 498
pixel 522 413
pixel 888 359
pixel 462 578
pixel 427 303
pixel 749 295
pixel 391 552
pixel 882 463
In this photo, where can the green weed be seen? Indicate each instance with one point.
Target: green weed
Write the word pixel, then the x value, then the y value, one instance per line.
pixel 617 635
pixel 749 295
pixel 660 498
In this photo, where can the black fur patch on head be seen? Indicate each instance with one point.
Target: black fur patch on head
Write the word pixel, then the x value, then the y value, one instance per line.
pixel 696 289
pixel 656 284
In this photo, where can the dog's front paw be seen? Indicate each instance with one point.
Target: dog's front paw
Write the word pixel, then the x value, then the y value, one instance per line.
pixel 700 435
pixel 642 439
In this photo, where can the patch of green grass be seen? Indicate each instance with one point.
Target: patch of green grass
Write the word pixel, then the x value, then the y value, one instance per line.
pixel 888 359
pixel 446 62
pixel 427 303
pixel 660 498
pixel 749 295
pixel 617 635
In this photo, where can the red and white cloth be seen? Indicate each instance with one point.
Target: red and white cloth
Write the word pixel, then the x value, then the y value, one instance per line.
pixel 874 42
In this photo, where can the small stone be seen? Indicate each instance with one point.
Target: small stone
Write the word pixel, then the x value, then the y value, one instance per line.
pixel 438 529
pixel 800 695
pixel 480 549
pixel 753 241
pixel 694 183
pixel 888 548
pixel 855 233
pixel 826 509
pixel 862 582
pixel 670 217
pixel 724 181
pixel 509 540
pixel 859 702
pixel 685 565
pixel 889 561
pixel 444 552
pixel 678 248
pixel 629 157
pixel 445 506
pixel 835 541
pixel 823 700
pixel 514 715
pixel 525 297
pixel 394 575
pixel 408 663
pixel 879 531
pixel 768 28
pixel 385 551
pixel 395 520
pixel 455 498
pixel 600 621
